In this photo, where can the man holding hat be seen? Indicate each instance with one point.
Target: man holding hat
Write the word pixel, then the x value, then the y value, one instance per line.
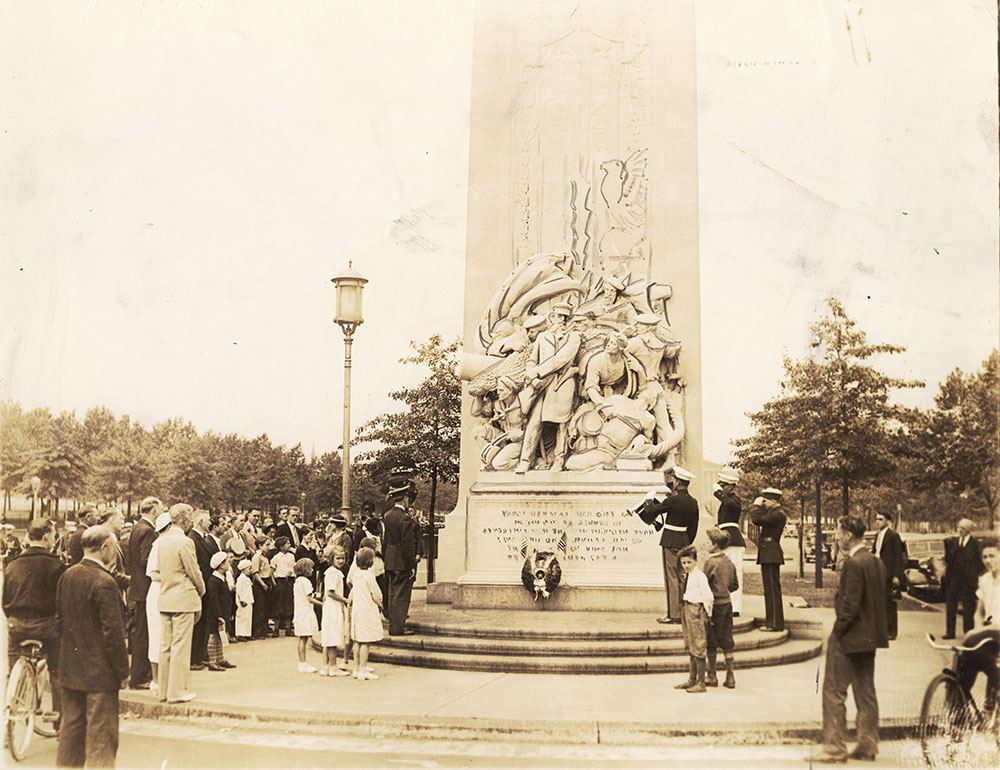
pixel 729 522
pixel 400 554
pixel 680 525
pixel 766 513
pixel 140 543
pixel 551 377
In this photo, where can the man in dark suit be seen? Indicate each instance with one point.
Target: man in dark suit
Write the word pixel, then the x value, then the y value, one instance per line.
pixel 730 511
pixel 888 547
pixel 963 564
pixel 205 546
pixel 93 658
pixel 290 528
pixel 400 555
pixel 140 543
pixel 680 525
pixel 860 629
pixel 766 513
pixel 85 517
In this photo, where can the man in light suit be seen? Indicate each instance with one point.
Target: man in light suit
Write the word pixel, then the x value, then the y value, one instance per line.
pixel 888 547
pixel 140 543
pixel 92 656
pixel 400 555
pixel 963 563
pixel 551 383
pixel 181 589
pixel 859 630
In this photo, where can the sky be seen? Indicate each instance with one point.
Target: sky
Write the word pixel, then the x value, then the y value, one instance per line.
pixel 182 179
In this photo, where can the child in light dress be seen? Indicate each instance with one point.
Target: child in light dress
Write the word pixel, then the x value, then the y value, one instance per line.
pixel 366 615
pixel 244 601
pixel 334 625
pixel 304 618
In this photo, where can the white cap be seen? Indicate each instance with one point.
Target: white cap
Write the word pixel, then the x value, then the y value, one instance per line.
pixel 217 558
pixel 771 491
pixel 237 546
pixel 162 522
pixel 728 478
pixel 682 475
pixel 244 564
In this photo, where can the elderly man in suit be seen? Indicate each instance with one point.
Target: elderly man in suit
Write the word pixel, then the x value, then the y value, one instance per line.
pixel 140 543
pixel 859 630
pixel 766 513
pixel 963 564
pixel 400 555
pixel 888 547
pixel 92 655
pixel 206 545
pixel 181 589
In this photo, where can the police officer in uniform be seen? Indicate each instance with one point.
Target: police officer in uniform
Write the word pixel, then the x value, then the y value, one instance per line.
pixel 766 513
pixel 730 511
pixel 679 512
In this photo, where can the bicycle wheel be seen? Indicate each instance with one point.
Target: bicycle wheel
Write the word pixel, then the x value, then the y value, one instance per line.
pixel 19 707
pixel 45 715
pixel 944 723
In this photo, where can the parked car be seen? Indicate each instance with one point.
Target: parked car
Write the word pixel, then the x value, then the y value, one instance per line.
pixel 810 548
pixel 924 566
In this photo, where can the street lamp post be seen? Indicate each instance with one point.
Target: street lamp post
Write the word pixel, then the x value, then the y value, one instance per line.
pixel 349 285
pixel 36 484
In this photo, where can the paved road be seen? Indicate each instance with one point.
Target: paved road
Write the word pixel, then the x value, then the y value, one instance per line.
pixel 164 745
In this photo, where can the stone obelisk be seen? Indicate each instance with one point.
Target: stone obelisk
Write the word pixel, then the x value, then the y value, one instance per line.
pixel 583 142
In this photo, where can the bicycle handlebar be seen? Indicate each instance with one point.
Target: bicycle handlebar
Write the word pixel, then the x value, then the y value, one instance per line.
pixel 957 647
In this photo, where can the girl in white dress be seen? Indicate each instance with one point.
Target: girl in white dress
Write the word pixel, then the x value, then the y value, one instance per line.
pixel 304 618
pixel 366 616
pixel 334 631
pixel 244 601
pixel 153 621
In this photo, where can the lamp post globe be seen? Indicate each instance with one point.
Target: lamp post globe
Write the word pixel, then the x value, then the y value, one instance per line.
pixel 350 285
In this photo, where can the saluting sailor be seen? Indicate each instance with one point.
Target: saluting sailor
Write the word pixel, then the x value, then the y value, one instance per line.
pixel 766 513
pixel 729 522
pixel 680 525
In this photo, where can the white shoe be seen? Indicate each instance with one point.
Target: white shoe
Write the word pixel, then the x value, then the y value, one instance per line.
pixel 186 697
pixel 338 672
pixel 343 667
pixel 305 668
pixel 368 675
pixel 324 671
pixel 154 688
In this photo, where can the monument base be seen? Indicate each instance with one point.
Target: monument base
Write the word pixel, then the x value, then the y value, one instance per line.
pixel 590 598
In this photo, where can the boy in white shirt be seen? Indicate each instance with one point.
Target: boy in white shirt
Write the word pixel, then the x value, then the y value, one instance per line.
pixel 696 608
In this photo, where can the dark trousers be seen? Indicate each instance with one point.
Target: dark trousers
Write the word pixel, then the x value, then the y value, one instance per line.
pixel 672 582
pixel 88 734
pixel 261 611
pixel 199 640
pixel 400 587
pixel 954 594
pixel 719 630
pixel 774 609
pixel 857 671
pixel 140 671
pixel 892 616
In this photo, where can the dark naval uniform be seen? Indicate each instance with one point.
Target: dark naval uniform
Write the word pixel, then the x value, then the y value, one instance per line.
pixel 680 525
pixel 730 511
pixel 770 557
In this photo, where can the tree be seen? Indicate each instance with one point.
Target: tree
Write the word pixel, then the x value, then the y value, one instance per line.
pixel 427 435
pixel 834 422
pixel 958 443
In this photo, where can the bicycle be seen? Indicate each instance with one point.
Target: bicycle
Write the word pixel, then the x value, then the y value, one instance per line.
pixel 954 731
pixel 28 702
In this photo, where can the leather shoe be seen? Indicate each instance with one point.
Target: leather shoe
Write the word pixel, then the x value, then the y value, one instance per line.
pixel 860 754
pixel 216 668
pixel 197 666
pixel 825 758
pixel 668 620
pixel 948 636
pixel 404 632
pixel 227 664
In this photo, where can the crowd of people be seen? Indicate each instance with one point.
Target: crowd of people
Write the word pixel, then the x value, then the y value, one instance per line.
pixel 140 604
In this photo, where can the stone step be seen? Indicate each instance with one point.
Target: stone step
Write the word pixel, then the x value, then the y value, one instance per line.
pixel 789 651
pixel 551 627
pixel 747 639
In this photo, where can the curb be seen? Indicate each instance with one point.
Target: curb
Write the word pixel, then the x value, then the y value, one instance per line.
pixel 456 728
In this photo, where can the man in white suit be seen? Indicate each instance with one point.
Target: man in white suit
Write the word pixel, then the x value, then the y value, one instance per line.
pixel 181 589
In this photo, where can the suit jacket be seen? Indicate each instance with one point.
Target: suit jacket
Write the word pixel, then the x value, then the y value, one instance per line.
pixel 140 542
pixel 204 547
pixel 218 602
pixel 771 521
pixel 681 511
pixel 285 530
pixel 181 582
pixel 730 511
pixel 399 541
pixel 74 547
pixel 962 565
pixel 92 654
pixel 860 603
pixel 891 555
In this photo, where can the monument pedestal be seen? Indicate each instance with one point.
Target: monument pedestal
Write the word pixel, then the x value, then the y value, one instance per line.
pixel 610 559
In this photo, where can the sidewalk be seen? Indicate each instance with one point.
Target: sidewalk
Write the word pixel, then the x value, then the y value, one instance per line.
pixel 768 705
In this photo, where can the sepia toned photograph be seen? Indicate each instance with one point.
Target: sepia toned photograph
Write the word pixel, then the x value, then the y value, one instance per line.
pixel 500 384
